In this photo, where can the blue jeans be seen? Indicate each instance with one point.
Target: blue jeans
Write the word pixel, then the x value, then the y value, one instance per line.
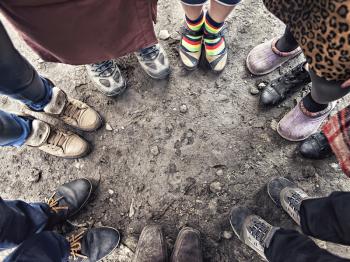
pixel 23 225
pixel 20 81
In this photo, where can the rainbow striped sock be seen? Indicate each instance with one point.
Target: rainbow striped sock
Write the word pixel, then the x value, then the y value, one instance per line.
pixel 193 43
pixel 213 45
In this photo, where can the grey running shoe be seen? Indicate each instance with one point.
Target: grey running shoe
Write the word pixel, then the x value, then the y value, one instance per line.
pixel 154 61
pixel 107 77
pixel 252 230
pixel 287 195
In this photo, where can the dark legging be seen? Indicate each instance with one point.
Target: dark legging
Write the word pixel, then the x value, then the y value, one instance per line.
pixel 323 218
pixel 202 2
pixel 19 80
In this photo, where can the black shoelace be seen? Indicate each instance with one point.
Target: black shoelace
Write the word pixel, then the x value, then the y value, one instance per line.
pixel 105 68
pixel 259 231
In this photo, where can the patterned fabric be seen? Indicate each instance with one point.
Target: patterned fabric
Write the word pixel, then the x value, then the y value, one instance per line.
pixel 213 40
pixel 322 29
pixel 338 134
pixel 192 41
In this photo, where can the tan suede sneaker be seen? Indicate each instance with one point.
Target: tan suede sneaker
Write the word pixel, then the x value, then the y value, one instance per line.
pixel 56 142
pixel 72 112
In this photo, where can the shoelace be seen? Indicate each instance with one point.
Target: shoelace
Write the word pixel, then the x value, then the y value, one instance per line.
pixel 75 245
pixel 105 68
pixel 72 111
pixel 57 138
pixel 149 53
pixel 259 231
pixel 54 203
pixel 294 201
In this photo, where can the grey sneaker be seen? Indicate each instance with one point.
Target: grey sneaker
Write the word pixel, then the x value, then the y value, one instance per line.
pixel 107 77
pixel 154 61
pixel 287 195
pixel 252 230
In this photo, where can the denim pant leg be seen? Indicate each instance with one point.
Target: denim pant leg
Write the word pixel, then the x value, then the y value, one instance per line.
pixel 14 130
pixel 18 78
pixel 20 220
pixel 43 247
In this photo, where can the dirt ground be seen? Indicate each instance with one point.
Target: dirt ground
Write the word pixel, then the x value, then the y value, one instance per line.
pixel 178 167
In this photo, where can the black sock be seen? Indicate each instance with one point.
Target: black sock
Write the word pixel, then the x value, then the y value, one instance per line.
pixel 311 105
pixel 287 42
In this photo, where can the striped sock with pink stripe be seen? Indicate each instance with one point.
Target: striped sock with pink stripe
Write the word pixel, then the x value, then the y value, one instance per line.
pixel 192 42
pixel 214 43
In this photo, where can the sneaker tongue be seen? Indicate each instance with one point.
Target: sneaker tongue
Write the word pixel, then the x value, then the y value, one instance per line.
pixel 57 103
pixel 39 135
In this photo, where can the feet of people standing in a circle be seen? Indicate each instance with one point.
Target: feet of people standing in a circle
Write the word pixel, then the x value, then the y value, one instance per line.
pixel 107 77
pixel 284 193
pixel 300 123
pixel 154 61
pixel 56 142
pixel 289 83
pixel 265 58
pixel 316 147
pixel 92 244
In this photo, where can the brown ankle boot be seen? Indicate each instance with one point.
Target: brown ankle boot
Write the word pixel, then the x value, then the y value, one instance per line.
pixel 187 246
pixel 73 112
pixel 151 246
pixel 56 142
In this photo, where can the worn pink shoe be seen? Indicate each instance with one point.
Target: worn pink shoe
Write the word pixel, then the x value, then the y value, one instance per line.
pixel 299 123
pixel 265 57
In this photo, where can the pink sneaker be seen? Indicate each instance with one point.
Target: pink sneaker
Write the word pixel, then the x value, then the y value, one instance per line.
pixel 299 123
pixel 265 58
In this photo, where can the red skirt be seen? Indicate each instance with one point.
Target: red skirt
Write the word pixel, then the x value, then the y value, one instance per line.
pixel 83 31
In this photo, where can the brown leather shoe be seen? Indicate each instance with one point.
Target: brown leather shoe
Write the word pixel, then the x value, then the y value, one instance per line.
pixel 188 246
pixel 72 112
pixel 151 246
pixel 56 142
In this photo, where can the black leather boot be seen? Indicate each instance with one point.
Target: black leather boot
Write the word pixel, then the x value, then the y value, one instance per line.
pixel 92 245
pixel 289 83
pixel 68 200
pixel 188 246
pixel 316 147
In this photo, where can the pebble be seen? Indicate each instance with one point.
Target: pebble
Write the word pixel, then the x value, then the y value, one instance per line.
pixel 220 172
pixel 35 176
pixel 254 91
pixel 262 85
pixel 164 34
pixel 110 191
pixel 155 150
pixel 227 235
pixel 109 127
pixel 183 109
pixel 132 209
pixel 215 187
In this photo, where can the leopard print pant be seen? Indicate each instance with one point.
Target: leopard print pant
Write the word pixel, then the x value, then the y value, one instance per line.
pixel 322 29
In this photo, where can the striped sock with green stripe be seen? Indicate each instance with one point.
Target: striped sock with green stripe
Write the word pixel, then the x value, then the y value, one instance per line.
pixel 214 45
pixel 192 42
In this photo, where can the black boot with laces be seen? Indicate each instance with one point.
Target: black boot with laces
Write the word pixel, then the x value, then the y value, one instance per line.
pixel 289 83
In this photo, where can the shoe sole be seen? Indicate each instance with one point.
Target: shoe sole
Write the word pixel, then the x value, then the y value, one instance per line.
pixel 270 70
